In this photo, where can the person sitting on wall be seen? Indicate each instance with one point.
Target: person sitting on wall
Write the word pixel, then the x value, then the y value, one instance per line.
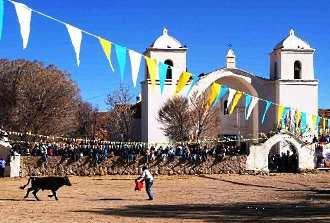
pixel 2 167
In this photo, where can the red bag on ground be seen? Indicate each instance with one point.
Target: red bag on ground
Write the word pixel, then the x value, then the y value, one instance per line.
pixel 138 185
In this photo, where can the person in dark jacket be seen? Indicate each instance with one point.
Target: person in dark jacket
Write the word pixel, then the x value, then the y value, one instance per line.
pixel 2 167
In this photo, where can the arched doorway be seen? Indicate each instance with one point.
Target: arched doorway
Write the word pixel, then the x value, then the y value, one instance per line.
pixel 235 123
pixel 283 157
pixel 259 153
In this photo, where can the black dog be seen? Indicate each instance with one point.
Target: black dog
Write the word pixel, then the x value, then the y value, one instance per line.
pixel 46 183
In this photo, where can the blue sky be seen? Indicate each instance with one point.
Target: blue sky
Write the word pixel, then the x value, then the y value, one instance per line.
pixel 206 27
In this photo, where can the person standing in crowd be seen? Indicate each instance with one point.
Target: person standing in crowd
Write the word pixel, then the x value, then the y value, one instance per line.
pixel 148 178
pixel 2 167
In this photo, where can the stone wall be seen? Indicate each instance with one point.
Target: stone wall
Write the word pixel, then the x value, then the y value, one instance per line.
pixel 116 165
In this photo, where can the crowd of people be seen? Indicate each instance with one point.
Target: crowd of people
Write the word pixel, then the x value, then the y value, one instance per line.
pixel 284 162
pixel 98 152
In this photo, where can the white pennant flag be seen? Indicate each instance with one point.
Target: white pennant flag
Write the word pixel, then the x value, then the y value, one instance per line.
pixel 24 17
pixel 76 37
pixel 253 103
pixel 135 58
pixel 231 95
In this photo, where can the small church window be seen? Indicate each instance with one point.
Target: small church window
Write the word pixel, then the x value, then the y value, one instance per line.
pixel 225 107
pixel 275 70
pixel 297 70
pixel 169 69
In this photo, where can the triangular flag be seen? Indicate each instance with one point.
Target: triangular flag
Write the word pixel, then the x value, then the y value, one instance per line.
pixel 121 52
pixel 314 120
pixel 107 46
pixel 76 37
pixel 214 91
pixel 223 92
pixel 250 102
pixel 194 81
pixel 1 16
pixel 280 111
pixel 183 79
pixel 231 95
pixel 318 119
pixel 152 70
pixel 248 99
pixel 162 70
pixel 297 118
pixel 303 122
pixel 135 59
pixel 24 18
pixel 236 99
pixel 267 106
pixel 285 114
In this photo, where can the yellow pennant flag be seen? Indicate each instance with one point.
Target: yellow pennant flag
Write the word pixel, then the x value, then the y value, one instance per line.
pixel 297 118
pixel 106 46
pixel 280 110
pixel 184 78
pixel 214 92
pixel 314 119
pixel 152 70
pixel 323 124
pixel 236 99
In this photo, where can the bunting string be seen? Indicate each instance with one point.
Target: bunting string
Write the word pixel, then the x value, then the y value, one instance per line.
pixel 157 70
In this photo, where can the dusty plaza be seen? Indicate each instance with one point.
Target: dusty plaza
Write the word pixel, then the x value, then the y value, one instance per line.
pixel 199 198
pixel 146 111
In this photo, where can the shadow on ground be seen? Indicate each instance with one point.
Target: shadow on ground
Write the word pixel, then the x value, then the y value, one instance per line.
pixel 313 206
pixel 246 212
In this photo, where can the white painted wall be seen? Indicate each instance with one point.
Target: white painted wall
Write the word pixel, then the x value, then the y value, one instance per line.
pixel 258 157
pixel 288 57
pixel 153 100
pixel 302 95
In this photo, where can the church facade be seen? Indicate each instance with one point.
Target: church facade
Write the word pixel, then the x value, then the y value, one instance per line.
pixel 291 83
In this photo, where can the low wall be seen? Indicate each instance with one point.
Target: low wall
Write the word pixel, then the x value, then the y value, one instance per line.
pixel 33 166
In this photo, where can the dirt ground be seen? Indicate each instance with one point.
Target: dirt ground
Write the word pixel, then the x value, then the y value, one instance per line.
pixel 206 198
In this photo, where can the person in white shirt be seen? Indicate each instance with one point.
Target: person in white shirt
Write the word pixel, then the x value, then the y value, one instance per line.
pixel 148 178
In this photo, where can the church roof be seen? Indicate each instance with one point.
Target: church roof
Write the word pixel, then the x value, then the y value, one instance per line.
pixel 292 42
pixel 235 71
pixel 166 41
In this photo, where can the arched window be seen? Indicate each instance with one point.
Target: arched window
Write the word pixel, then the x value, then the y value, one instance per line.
pixel 169 69
pixel 225 108
pixel 275 70
pixel 297 70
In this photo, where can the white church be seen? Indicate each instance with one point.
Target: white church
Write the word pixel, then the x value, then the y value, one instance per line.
pixel 291 83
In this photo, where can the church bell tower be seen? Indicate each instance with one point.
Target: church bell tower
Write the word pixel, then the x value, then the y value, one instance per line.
pixel 168 50
pixel 292 69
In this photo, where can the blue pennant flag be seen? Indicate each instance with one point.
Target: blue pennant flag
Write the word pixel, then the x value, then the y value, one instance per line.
pixel 223 92
pixel 285 116
pixel 303 122
pixel 248 99
pixel 318 119
pixel 267 106
pixel 194 81
pixel 162 69
pixel 1 16
pixel 121 52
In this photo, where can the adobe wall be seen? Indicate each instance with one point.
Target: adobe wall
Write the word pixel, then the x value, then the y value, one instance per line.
pixel 116 165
